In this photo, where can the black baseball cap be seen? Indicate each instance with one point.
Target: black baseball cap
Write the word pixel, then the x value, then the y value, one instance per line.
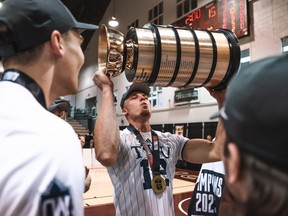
pixel 255 112
pixel 134 87
pixel 32 22
pixel 61 104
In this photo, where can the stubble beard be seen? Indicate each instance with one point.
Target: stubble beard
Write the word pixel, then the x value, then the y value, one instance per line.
pixel 146 114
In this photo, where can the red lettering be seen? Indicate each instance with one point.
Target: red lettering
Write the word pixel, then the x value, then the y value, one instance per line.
pixel 195 15
pixel 212 12
pixel 242 14
pixel 232 14
pixel 224 15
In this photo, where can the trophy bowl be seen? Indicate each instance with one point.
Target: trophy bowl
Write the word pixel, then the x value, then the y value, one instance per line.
pixel 110 51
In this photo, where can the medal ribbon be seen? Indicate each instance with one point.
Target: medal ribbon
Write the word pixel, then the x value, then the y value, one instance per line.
pixel 156 153
pixel 154 157
pixel 27 82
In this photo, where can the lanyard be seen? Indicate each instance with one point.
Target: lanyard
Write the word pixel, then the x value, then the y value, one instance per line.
pixel 154 157
pixel 27 82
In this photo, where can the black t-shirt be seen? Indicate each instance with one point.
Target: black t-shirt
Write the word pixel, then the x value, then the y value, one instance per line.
pixel 208 190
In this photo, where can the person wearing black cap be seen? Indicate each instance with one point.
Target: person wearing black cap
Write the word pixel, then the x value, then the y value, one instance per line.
pixel 60 107
pixel 141 162
pixel 40 47
pixel 255 119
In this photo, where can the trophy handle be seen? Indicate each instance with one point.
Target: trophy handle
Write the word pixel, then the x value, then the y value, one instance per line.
pixel 110 51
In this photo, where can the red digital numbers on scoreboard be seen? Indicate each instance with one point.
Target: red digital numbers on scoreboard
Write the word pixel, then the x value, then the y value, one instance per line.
pixel 228 14
pixel 204 17
pixel 212 12
pixel 195 15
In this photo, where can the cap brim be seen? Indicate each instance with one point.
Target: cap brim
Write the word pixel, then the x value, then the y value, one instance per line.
pixel 59 106
pixel 215 115
pixel 134 87
pixel 52 107
pixel 86 26
pixel 139 87
pixel 221 113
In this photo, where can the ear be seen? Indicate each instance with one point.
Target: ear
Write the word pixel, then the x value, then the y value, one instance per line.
pixel 56 43
pixel 124 111
pixel 233 164
pixel 62 113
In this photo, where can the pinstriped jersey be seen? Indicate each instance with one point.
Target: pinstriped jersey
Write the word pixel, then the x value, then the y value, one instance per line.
pixel 131 175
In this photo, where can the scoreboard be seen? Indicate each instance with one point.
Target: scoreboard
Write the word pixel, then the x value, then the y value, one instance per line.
pixel 227 14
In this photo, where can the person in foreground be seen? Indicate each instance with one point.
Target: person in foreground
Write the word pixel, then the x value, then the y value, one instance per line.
pixel 42 170
pixel 256 123
pixel 140 161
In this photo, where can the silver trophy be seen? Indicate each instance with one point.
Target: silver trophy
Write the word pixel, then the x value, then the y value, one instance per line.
pixel 157 55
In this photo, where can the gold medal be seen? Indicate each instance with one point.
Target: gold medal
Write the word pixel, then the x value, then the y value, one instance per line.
pixel 158 184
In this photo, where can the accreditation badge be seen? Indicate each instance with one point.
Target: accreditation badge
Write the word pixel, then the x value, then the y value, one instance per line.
pixel 158 184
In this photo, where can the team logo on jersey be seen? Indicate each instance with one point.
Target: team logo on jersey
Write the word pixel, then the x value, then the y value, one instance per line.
pixel 140 152
pixel 56 200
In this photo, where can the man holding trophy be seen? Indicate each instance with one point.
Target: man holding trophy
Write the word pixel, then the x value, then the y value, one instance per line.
pixel 140 161
pixel 143 184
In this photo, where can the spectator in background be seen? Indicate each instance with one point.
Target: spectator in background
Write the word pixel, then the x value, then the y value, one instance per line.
pixel 89 142
pixel 60 107
pixel 255 117
pixel 82 140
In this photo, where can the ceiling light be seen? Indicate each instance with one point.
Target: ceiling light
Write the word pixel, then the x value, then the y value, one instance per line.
pixel 113 22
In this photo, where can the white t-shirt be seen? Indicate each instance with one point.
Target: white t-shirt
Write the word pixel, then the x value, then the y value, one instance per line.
pixel 42 170
pixel 131 175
